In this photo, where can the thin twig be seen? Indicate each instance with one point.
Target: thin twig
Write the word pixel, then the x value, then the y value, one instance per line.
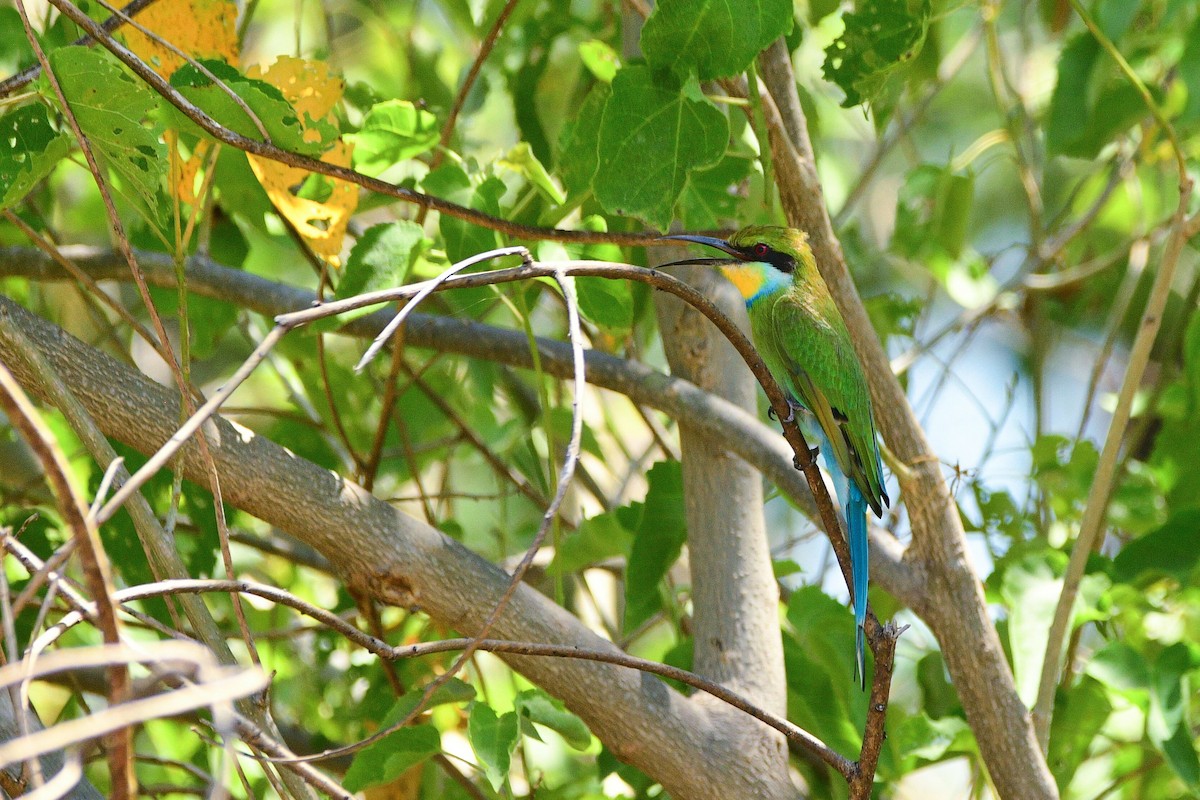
pixel 24 418
pixel 15 83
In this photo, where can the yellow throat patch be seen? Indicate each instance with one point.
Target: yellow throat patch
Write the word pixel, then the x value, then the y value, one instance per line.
pixel 748 278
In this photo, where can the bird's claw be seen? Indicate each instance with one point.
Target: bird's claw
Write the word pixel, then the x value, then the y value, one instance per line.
pixel 813 452
pixel 793 407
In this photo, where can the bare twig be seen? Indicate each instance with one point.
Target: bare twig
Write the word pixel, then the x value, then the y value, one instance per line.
pixel 24 418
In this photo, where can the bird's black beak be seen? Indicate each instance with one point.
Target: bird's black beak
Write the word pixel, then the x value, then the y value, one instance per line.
pixel 710 241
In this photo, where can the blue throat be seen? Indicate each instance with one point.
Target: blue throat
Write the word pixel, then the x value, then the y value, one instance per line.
pixel 775 282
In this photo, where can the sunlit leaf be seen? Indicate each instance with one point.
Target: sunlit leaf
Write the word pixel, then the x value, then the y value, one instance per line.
pixel 537 706
pixel 520 159
pixel 110 107
pixel 393 131
pixel 931 739
pixel 198 28
pixel 600 59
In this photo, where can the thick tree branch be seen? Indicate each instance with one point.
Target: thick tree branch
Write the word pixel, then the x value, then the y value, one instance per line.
pixel 732 428
pixel 399 560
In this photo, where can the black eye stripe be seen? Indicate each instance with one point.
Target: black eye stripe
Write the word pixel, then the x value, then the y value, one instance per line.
pixel 761 251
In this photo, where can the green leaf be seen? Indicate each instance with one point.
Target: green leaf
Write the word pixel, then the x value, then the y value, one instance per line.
pixel 1170 550
pixel 462 238
pixel 31 149
pixel 783 567
pixel 931 739
pixel 1090 104
pixel 819 656
pixel 276 114
pixel 599 537
pixel 452 691
pixel 880 37
pixel 607 303
pixel 1079 716
pixel 381 258
pixel 1189 73
pixel 1168 725
pixel 388 759
pixel 493 739
pixel 209 319
pixel 1030 590
pixel 952 213
pixel 521 160
pixel 654 133
pixel 712 38
pixel 707 200
pixel 600 59
pixel 657 544
pixel 537 706
pixel 393 131
pixel 579 142
pixel 1120 667
pixel 110 106
pixel 1069 103
pixel 1115 16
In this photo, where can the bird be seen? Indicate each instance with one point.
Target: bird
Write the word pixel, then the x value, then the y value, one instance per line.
pixel 802 338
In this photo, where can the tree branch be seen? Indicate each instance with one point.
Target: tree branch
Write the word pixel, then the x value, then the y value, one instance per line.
pixel 388 555
pixel 726 425
pixel 952 601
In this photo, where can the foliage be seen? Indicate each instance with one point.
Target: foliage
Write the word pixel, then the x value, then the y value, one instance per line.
pixel 1004 197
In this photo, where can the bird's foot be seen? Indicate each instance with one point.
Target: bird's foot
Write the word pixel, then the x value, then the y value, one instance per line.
pixel 813 452
pixel 793 407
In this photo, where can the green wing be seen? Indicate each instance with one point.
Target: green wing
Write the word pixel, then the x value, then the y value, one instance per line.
pixel 806 346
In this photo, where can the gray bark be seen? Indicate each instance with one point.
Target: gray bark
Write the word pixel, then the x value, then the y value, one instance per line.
pixel 390 556
pixel 734 594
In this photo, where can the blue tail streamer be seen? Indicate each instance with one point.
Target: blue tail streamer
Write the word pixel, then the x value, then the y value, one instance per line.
pixel 856 524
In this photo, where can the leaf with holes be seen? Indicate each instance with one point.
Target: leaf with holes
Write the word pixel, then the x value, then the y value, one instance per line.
pixel 879 39
pixel 110 106
pixel 32 150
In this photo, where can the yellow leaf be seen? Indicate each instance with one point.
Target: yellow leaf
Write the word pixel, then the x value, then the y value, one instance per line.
pixel 200 28
pixel 313 91
pixel 322 224
pixel 187 188
pixel 307 85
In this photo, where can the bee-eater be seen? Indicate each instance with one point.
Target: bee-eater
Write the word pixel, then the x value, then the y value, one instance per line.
pixel 802 338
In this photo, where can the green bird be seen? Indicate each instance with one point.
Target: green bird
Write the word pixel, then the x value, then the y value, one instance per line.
pixel 802 338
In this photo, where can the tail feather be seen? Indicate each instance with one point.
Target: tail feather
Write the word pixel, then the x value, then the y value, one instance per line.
pixel 856 524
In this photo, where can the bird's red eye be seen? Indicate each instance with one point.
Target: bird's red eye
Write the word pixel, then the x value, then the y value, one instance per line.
pixel 761 250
